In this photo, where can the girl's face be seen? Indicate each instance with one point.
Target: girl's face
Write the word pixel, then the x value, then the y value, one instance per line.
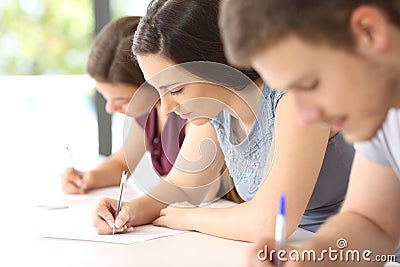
pixel 181 92
pixel 117 96
pixel 127 99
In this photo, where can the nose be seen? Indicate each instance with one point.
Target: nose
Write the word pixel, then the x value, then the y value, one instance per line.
pixel 168 104
pixel 306 109
pixel 110 107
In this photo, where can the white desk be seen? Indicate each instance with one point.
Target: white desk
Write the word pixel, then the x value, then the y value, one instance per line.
pixel 25 248
pixel 188 249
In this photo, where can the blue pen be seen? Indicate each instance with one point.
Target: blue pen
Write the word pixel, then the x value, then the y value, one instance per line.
pixel 280 227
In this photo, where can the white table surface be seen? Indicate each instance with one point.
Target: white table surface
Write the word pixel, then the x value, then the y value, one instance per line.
pixel 24 246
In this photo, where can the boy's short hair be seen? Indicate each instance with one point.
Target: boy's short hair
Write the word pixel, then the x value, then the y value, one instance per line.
pixel 251 25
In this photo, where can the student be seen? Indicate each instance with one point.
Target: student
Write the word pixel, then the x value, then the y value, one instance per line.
pixel 118 78
pixel 310 165
pixel 340 60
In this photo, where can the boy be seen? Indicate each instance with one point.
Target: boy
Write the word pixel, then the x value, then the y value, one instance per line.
pixel 339 60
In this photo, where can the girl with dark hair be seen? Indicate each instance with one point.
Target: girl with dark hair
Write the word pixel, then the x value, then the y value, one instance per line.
pixel 179 50
pixel 166 136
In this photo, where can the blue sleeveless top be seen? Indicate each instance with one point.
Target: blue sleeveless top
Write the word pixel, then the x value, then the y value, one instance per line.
pixel 246 160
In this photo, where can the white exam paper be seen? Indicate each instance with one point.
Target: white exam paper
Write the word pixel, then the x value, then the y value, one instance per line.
pixel 76 224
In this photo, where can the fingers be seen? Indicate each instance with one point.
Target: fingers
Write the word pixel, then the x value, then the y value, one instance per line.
pixel 70 188
pixel 124 229
pixel 124 217
pixel 103 217
pixel 164 211
pixel 71 181
pixel 160 221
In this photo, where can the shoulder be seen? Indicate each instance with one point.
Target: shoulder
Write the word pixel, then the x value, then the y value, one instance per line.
pixel 219 120
pixel 377 149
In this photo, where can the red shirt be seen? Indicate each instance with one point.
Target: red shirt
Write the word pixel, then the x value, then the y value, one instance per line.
pixel 164 147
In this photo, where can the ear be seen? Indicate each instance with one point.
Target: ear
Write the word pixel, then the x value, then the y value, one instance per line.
pixel 369 26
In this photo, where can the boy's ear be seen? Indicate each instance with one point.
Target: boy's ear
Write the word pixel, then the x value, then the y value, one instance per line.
pixel 369 27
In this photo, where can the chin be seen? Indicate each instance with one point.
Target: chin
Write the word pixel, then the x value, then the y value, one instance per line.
pixel 360 135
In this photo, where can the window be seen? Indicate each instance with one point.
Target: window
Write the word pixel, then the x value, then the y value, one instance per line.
pixel 47 98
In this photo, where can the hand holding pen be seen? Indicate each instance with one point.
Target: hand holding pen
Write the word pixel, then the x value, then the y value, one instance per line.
pixel 72 179
pixel 259 254
pixel 121 189
pixel 110 214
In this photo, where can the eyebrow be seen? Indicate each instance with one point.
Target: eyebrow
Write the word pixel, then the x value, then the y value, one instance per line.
pixel 167 86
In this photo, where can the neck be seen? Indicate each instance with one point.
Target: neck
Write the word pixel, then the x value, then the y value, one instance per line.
pixel 243 104
pixel 161 117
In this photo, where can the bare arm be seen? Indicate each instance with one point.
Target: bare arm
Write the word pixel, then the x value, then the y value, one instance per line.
pixel 108 173
pixel 193 178
pixel 369 219
pixel 197 168
pixel 298 158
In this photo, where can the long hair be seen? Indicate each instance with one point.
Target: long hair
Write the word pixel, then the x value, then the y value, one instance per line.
pixel 110 59
pixel 187 31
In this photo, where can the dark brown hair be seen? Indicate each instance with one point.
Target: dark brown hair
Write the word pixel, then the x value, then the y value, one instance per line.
pixel 249 26
pixel 187 31
pixel 110 59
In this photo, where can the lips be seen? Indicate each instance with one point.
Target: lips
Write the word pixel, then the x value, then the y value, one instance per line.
pixel 185 116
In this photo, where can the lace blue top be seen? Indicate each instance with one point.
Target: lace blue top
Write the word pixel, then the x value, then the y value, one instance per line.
pixel 246 160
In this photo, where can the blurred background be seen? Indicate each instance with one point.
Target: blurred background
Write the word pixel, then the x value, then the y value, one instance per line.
pixel 47 100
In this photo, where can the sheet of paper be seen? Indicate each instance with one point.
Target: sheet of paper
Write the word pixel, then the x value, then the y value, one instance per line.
pixel 74 220
pixel 75 223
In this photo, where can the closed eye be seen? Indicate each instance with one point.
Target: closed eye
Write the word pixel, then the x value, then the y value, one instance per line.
pixel 309 87
pixel 176 92
pixel 304 86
